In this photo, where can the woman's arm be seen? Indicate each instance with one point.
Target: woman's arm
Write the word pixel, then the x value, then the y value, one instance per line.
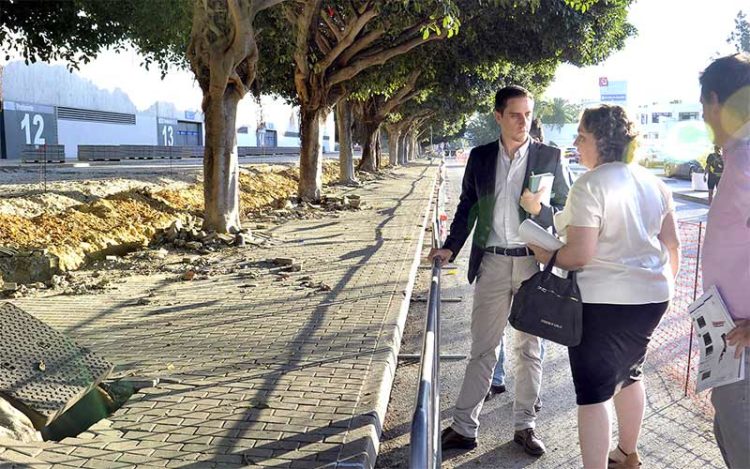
pixel 577 252
pixel 671 240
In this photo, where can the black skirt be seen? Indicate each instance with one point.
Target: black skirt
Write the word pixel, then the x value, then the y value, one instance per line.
pixel 612 349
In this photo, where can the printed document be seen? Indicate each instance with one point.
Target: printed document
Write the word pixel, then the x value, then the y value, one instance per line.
pixel 717 365
pixel 531 233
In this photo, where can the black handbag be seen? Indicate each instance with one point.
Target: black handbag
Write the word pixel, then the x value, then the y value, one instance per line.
pixel 549 307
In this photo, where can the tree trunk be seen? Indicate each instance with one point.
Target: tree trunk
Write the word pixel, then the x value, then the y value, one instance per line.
pixel 220 164
pixel 368 163
pixel 413 146
pixel 378 152
pixel 402 148
pixel 394 134
pixel 311 157
pixel 346 158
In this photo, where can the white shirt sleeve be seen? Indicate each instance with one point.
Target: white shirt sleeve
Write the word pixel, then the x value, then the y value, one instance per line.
pixel 666 196
pixel 583 206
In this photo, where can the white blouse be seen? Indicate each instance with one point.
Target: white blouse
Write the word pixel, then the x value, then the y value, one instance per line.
pixel 627 204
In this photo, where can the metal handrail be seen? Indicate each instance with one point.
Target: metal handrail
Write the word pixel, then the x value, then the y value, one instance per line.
pixel 425 426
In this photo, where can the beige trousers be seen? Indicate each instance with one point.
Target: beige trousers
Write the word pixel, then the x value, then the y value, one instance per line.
pixel 499 278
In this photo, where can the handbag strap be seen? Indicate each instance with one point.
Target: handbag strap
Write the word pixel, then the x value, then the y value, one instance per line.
pixel 551 263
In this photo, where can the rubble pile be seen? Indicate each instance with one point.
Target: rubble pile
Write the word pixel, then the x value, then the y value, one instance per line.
pixel 188 234
pixel 291 208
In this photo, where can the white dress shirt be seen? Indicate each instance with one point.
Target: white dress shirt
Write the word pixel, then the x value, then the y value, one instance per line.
pixel 509 176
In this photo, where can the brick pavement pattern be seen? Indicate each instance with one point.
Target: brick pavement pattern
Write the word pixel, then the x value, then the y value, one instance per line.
pixel 273 375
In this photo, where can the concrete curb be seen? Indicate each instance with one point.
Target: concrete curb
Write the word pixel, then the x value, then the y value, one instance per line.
pixel 368 426
pixel 690 198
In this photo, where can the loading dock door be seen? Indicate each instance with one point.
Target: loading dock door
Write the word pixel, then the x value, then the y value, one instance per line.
pixel 189 134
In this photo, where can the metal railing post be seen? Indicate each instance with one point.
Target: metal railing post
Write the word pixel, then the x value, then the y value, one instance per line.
pixel 425 427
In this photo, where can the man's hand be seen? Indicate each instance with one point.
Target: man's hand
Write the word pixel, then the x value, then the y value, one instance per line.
pixel 740 336
pixel 531 201
pixel 443 254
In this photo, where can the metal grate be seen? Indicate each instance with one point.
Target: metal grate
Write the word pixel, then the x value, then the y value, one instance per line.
pixel 42 369
pixel 75 114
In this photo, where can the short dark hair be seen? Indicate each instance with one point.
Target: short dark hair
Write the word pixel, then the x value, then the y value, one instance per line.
pixel 725 76
pixel 509 92
pixel 613 131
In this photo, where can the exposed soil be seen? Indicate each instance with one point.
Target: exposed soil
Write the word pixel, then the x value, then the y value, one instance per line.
pixel 75 218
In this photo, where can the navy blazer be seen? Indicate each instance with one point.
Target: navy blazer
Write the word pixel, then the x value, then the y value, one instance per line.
pixel 477 203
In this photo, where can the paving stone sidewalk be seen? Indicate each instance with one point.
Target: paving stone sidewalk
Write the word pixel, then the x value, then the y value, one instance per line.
pixel 271 375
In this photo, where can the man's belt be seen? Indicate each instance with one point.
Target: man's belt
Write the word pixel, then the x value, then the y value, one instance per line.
pixel 513 252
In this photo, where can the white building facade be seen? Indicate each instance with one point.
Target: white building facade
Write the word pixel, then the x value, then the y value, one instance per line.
pixel 272 122
pixel 48 105
pixel 673 130
pixel 42 104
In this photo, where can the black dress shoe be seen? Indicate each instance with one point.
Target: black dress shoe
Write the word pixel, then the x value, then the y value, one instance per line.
pixel 450 439
pixel 531 444
pixel 494 390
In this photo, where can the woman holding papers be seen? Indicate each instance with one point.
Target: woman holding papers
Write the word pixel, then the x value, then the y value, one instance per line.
pixel 620 232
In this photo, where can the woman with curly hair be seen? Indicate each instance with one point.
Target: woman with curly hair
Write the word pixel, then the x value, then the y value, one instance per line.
pixel 620 232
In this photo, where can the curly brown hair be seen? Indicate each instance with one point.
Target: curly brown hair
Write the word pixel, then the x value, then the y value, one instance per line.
pixel 614 132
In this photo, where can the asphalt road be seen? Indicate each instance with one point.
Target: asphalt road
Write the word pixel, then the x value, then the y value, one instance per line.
pixel 669 417
pixel 15 172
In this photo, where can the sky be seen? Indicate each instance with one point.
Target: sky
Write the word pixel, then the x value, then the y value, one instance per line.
pixel 123 70
pixel 676 40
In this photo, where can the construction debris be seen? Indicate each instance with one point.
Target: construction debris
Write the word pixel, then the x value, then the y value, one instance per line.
pixel 187 233
pixel 112 232
pixel 15 425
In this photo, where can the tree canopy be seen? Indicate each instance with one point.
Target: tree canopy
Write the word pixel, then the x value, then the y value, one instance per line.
pixel 468 70
pixel 740 37
pixel 77 30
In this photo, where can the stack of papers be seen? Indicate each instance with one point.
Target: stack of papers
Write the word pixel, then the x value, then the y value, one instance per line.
pixel 717 365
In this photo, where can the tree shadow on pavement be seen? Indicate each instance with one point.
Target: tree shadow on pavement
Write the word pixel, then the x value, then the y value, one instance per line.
pixel 261 452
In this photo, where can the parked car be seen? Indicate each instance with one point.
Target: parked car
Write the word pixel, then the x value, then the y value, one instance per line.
pixel 652 157
pixel 572 154
pixel 682 169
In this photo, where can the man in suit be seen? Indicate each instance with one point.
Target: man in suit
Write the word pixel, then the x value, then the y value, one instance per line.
pixel 494 200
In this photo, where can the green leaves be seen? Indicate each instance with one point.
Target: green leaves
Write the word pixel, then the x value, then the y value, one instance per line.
pixel 740 37
pixel 450 24
pixel 581 6
pixel 75 31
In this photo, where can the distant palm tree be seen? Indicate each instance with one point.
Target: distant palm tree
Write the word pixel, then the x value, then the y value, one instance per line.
pixel 558 112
